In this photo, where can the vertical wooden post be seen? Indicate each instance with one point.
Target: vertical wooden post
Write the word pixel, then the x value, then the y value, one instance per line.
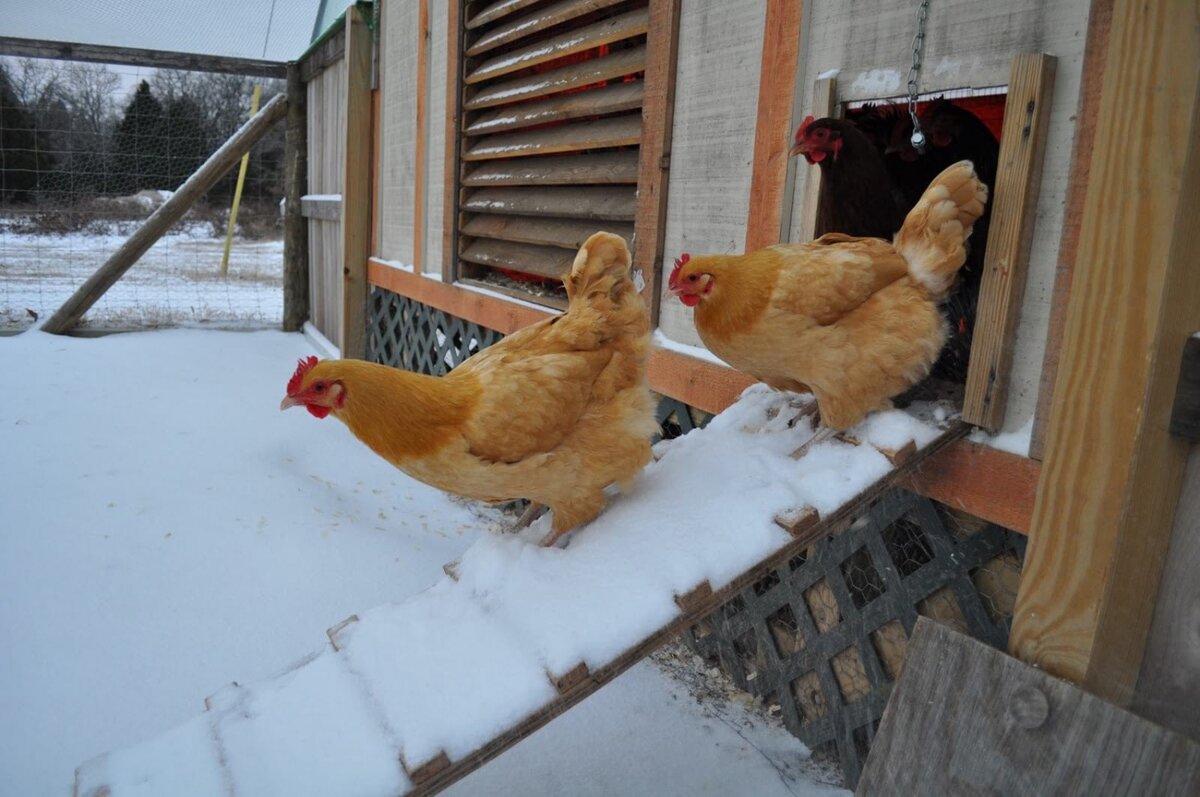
pixel 1112 474
pixel 420 184
pixel 1006 264
pixel 454 38
pixel 654 158
pixel 356 192
pixel 772 131
pixel 295 226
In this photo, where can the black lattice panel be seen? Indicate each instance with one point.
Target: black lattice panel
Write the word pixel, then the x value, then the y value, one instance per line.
pixel 416 337
pixel 825 637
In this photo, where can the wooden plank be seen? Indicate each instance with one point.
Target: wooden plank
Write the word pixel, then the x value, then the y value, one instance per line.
pixel 772 132
pixel 1168 690
pixel 586 169
pixel 613 131
pixel 605 31
pixel 824 104
pixel 609 99
pixel 169 212
pixel 587 202
pixel 615 65
pixel 328 208
pixel 497 11
pixel 697 383
pixel 1113 473
pixel 700 606
pixel 546 300
pixel 988 483
pixel 295 227
pixel 1185 410
pixel 452 164
pixel 328 53
pixel 1014 211
pixel 654 154
pixel 1094 51
pixel 542 19
pixel 356 190
pixel 567 233
pixel 983 723
pixel 420 187
pixel 133 56
pixel 545 261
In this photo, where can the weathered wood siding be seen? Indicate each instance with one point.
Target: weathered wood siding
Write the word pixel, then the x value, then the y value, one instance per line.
pixel 435 138
pixel 326 161
pixel 398 129
pixel 969 44
pixel 712 145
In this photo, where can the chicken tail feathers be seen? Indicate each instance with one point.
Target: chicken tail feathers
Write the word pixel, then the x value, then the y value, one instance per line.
pixel 601 268
pixel 933 238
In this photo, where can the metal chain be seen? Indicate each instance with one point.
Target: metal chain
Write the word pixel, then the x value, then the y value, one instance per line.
pixel 918 46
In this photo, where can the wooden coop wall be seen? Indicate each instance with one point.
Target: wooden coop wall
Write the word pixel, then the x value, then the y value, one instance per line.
pixel 326 160
pixel 398 48
pixel 969 44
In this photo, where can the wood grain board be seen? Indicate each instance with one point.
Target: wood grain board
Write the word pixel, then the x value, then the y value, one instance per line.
pixel 964 718
pixel 356 190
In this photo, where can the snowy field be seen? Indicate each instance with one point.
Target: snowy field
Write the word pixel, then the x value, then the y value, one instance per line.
pixel 177 281
pixel 166 530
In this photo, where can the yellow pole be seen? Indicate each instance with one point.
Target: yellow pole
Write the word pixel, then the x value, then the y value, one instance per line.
pixel 237 192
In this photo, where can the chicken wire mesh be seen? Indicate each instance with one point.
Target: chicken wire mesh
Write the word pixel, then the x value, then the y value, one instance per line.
pixel 89 151
pixel 821 640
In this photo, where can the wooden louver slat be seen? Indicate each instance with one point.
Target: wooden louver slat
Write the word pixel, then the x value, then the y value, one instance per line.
pixel 612 132
pixel 605 31
pixel 588 202
pixel 536 22
pixel 566 233
pixel 545 261
pixel 498 10
pixel 609 99
pixel 614 65
pixel 595 168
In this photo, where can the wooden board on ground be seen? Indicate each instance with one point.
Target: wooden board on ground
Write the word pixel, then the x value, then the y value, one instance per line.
pixel 965 718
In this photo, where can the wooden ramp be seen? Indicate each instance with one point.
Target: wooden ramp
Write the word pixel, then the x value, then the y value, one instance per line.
pixel 388 707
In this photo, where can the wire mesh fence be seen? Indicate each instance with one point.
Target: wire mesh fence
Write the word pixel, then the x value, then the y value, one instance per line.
pixel 89 151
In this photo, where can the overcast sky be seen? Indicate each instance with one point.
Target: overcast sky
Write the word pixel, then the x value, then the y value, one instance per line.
pixel 238 28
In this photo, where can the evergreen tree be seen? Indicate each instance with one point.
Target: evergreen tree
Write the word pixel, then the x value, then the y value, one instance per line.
pixel 23 153
pixel 139 145
pixel 187 145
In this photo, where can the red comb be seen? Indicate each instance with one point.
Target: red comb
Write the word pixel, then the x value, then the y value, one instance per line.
pixel 305 365
pixel 800 131
pixel 679 262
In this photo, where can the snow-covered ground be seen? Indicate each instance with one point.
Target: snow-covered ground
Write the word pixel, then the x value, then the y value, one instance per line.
pixel 166 530
pixel 177 281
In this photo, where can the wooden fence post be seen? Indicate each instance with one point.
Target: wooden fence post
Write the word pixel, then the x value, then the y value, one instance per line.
pixel 295 226
pixel 356 190
pixel 171 211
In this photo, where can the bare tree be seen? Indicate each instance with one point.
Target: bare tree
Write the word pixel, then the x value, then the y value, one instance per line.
pixel 91 95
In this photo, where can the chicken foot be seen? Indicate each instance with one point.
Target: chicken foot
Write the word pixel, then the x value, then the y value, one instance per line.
pixel 531 513
pixel 823 434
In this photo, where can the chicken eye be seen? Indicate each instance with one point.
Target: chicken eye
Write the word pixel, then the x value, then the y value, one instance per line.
pixel 693 277
pixel 319 387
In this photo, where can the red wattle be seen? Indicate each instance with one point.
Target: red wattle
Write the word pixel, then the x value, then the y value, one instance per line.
pixel 317 410
pixel 690 299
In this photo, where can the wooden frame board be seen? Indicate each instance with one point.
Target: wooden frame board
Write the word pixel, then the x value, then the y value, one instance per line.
pixel 356 190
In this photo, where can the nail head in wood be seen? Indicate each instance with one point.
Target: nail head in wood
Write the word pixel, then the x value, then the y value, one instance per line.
pixel 1029 707
pixel 335 632
pixel 427 771
pixel 692 599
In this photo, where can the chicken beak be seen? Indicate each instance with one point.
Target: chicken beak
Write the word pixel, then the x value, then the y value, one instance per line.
pixel 799 149
pixel 289 401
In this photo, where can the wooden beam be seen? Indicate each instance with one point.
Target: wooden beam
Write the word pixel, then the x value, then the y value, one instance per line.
pixel 772 131
pixel 981 722
pixel 421 188
pixel 697 383
pixel 356 188
pixel 167 214
pixel 1014 210
pixel 1094 50
pixel 994 485
pixel 450 215
pixel 654 156
pixel 1112 474
pixel 824 104
pixel 133 56
pixel 325 55
pixel 295 227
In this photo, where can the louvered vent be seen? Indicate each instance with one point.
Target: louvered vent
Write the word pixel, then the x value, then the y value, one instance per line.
pixel 552 101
